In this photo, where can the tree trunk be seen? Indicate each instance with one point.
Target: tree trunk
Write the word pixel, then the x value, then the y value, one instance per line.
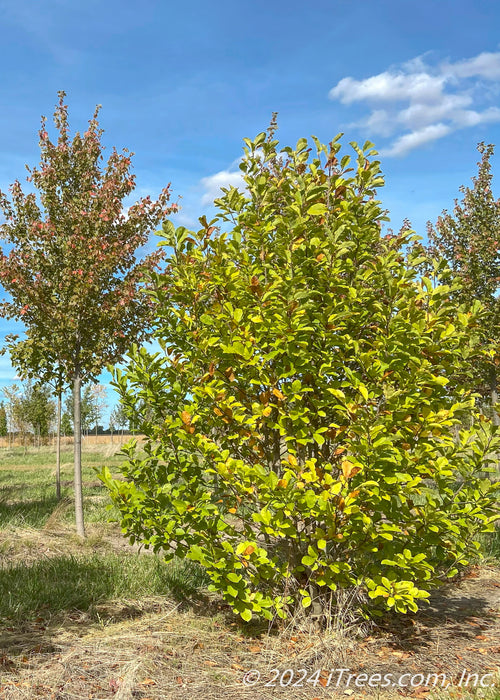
pixel 77 397
pixel 58 448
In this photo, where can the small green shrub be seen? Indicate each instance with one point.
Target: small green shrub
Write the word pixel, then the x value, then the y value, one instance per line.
pixel 300 419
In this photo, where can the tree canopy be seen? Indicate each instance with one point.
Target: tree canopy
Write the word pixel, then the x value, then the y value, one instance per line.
pixel 72 270
pixel 299 419
pixel 469 240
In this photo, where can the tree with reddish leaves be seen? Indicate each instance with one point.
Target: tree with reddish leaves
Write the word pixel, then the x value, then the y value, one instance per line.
pixel 469 240
pixel 71 271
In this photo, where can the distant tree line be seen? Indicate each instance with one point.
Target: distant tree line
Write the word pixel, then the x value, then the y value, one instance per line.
pixel 28 412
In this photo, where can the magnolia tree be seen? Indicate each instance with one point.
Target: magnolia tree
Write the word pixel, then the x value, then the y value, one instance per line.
pixel 71 270
pixel 299 418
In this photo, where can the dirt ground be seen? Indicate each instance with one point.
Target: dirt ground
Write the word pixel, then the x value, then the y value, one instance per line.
pixel 160 649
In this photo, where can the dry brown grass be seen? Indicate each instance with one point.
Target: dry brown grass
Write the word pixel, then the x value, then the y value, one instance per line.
pixel 155 648
pixel 87 441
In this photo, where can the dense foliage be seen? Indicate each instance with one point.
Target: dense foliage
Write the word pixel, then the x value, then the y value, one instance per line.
pixel 469 240
pixel 300 418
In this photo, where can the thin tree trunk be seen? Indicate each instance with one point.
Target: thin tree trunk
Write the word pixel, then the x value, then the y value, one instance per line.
pixel 77 397
pixel 58 448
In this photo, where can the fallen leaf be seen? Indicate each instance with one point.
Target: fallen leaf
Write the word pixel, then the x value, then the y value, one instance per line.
pixel 113 684
pixel 419 692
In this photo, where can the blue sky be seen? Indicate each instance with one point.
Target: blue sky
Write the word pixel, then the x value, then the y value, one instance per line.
pixel 182 83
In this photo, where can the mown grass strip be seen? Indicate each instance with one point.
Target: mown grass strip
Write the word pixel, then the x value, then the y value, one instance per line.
pixel 79 582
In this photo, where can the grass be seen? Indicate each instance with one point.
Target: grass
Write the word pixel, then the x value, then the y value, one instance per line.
pixel 27 485
pixel 98 618
pixel 491 546
pixel 81 582
pixel 71 575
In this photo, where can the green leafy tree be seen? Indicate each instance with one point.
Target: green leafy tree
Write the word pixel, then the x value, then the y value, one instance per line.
pixel 34 360
pixel 38 408
pixel 3 420
pixel 86 409
pixel 469 240
pixel 66 424
pixel 119 418
pixel 31 409
pixel 72 272
pixel 16 415
pixel 299 418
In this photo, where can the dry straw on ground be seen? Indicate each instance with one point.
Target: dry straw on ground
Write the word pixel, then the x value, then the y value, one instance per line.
pixel 155 648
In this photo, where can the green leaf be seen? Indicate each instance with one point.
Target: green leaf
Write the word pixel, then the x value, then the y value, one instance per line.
pixel 317 210
pixel 246 615
pixel 308 560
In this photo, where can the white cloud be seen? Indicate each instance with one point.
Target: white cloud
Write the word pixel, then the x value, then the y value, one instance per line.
pixel 379 122
pixel 406 143
pixel 418 114
pixel 470 117
pixel 389 87
pixel 224 178
pixel 485 65
pixel 418 103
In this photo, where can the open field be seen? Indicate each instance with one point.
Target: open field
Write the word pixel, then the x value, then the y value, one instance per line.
pixel 66 441
pixel 101 619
